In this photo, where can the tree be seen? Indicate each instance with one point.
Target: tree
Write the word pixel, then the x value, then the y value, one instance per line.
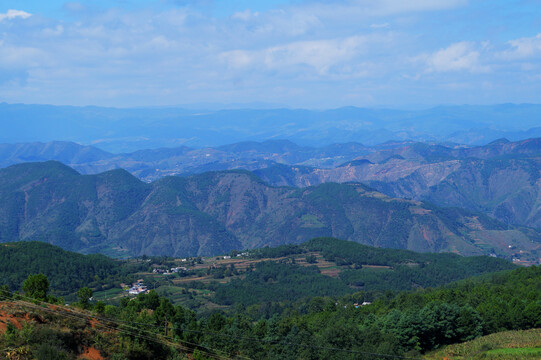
pixel 4 292
pixel 99 307
pixel 36 286
pixel 84 294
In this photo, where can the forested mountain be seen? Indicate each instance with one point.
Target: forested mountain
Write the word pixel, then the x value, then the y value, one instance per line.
pixel 215 212
pixel 500 179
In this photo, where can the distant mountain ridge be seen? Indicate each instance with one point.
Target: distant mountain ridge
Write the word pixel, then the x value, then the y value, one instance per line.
pixel 184 160
pixel 127 130
pixel 63 151
pixel 212 213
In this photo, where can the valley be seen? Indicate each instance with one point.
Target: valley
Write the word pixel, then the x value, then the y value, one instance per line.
pixel 161 321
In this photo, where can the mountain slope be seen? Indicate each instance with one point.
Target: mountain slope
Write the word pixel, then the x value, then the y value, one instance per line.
pixel 96 213
pixel 215 212
pixel 502 179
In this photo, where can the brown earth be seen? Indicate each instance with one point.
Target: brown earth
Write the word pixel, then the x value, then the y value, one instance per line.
pixel 91 353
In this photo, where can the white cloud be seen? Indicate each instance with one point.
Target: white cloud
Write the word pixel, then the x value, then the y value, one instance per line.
pixel 12 14
pixel 22 57
pixel 523 48
pixel 57 31
pixel 389 7
pixel 420 5
pixel 278 23
pixel 319 55
pixel 291 53
pixel 361 9
pixel 462 56
pixel 245 15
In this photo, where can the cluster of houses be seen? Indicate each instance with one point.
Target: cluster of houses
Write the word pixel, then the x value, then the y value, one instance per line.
pixel 227 257
pixel 171 271
pixel 136 288
pixel 364 303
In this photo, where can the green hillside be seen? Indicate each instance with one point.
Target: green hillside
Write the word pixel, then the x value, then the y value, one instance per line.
pixel 67 271
pixel 278 277
pixel 285 307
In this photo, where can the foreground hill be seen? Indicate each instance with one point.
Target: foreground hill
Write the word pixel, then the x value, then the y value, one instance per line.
pixel 403 325
pixel 213 213
pixel 67 271
pixel 318 267
pixel 514 344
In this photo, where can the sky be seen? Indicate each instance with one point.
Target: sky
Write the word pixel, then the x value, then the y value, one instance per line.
pixel 295 53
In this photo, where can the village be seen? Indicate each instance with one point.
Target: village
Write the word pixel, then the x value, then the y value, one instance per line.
pixel 139 287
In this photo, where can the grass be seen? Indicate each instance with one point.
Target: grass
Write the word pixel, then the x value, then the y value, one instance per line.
pixel 524 344
pixel 515 353
pixel 108 295
pixel 311 221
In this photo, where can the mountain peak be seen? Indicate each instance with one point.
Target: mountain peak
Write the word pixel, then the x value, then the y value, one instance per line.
pixel 499 141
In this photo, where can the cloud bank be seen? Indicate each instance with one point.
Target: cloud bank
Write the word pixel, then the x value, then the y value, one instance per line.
pixel 303 54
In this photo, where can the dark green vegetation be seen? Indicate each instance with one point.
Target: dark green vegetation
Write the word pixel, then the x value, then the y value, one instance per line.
pixel 271 281
pixel 66 271
pixel 406 324
pixel 212 213
pixel 384 270
pixel 282 274
pixel 407 270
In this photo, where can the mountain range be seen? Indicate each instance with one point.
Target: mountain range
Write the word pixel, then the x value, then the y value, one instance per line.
pixel 215 212
pixel 500 179
pixel 127 130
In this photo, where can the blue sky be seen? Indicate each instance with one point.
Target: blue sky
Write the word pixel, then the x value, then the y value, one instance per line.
pixel 297 53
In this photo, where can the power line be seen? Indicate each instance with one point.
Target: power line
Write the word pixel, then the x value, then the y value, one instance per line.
pixel 73 314
pixel 276 342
